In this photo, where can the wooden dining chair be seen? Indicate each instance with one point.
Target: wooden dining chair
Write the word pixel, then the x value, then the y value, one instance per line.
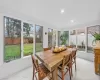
pixel 45 49
pixel 65 65
pixel 73 58
pixel 40 69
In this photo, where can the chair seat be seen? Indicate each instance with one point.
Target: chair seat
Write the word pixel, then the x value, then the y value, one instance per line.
pixel 43 71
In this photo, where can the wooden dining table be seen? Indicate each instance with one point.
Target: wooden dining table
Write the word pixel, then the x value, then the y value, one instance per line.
pixel 52 60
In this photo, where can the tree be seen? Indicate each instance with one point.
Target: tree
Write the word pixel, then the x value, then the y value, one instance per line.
pixel 26 28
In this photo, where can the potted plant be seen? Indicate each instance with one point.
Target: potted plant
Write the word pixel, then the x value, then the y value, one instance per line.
pixel 97 39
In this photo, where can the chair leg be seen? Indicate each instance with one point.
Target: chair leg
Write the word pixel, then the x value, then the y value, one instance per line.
pixel 71 69
pixel 70 73
pixel 75 63
pixel 33 73
pixel 62 75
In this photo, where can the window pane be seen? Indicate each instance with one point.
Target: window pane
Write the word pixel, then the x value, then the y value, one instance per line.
pixel 73 38
pixel 54 38
pixel 12 47
pixel 50 35
pixel 81 39
pixel 59 41
pixel 64 37
pixel 91 30
pixel 28 36
pixel 39 38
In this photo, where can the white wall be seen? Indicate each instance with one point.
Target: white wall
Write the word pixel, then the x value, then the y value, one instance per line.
pixel 7 69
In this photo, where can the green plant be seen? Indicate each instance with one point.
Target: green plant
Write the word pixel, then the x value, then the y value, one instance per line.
pixel 96 36
pixel 64 38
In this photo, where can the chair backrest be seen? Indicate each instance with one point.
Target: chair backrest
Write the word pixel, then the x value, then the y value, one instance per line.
pixel 45 49
pixel 66 60
pixel 70 46
pixel 74 53
pixel 35 63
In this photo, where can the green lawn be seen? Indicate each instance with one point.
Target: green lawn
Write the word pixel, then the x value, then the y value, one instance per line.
pixel 14 51
pixel 28 49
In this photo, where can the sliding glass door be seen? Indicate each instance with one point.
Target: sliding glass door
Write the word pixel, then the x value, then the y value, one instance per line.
pixel 73 38
pixel 38 38
pixel 50 37
pixel 81 39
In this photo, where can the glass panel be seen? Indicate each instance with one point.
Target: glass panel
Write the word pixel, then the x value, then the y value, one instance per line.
pixel 54 37
pixel 81 39
pixel 64 37
pixel 59 41
pixel 50 35
pixel 39 38
pixel 28 36
pixel 73 38
pixel 90 39
pixel 12 33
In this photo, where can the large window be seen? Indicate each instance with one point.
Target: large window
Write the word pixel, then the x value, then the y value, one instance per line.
pixel 81 39
pixel 59 41
pixel 12 32
pixel 90 39
pixel 73 38
pixel 54 37
pixel 38 38
pixel 50 36
pixel 28 35
pixel 64 38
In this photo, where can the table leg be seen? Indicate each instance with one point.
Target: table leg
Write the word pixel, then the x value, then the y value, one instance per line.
pixel 55 74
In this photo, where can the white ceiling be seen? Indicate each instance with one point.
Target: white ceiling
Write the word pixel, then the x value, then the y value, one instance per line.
pixel 81 11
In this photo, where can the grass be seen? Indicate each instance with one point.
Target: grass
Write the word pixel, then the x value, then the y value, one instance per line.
pixel 28 49
pixel 13 52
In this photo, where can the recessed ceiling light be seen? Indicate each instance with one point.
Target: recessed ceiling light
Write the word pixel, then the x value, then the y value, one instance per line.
pixel 62 11
pixel 72 21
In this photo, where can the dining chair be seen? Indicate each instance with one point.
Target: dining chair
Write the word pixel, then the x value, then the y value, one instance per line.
pixel 45 49
pixel 40 69
pixel 65 66
pixel 73 58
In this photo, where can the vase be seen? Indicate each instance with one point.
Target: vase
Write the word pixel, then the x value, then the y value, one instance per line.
pixel 97 43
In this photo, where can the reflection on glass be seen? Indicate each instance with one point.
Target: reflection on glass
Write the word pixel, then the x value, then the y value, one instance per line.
pixel 73 38
pixel 12 32
pixel 50 36
pixel 91 30
pixel 81 39
pixel 38 38
pixel 28 36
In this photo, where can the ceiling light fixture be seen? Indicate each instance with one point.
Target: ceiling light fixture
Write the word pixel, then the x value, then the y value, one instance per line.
pixel 62 11
pixel 72 21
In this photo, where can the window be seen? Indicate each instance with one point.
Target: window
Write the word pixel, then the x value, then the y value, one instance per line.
pixel 81 39
pixel 28 36
pixel 12 36
pixel 54 37
pixel 59 41
pixel 64 37
pixel 90 39
pixel 73 38
pixel 50 35
pixel 38 38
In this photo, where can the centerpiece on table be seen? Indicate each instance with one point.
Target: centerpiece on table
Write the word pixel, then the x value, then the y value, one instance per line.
pixel 59 49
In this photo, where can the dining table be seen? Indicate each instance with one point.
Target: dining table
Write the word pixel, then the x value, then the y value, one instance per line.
pixel 52 60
